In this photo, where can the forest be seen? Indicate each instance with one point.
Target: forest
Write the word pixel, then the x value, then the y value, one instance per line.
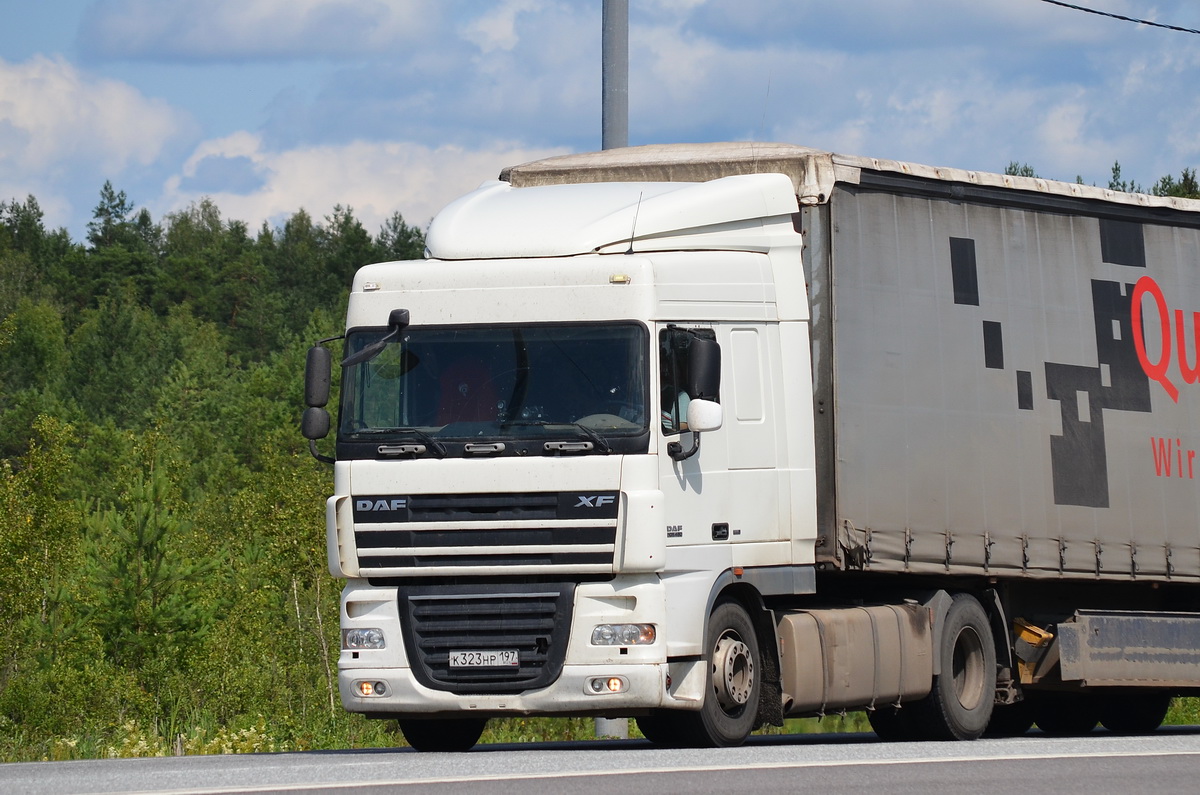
pixel 162 566
pixel 163 585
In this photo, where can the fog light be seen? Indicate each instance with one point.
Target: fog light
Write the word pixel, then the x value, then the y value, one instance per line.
pixel 370 638
pixel 623 635
pixel 369 689
pixel 601 685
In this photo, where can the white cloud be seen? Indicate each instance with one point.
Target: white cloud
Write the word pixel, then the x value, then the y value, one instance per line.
pixel 375 179
pixel 53 116
pixel 497 29
pixel 60 125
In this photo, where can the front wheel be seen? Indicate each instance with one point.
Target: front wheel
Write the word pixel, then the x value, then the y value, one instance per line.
pixel 430 734
pixel 895 724
pixel 734 681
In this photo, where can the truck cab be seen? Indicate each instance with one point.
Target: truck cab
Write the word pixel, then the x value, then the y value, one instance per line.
pixel 563 440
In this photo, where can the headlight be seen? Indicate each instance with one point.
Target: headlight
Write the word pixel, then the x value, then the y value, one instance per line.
pixel 623 635
pixel 362 638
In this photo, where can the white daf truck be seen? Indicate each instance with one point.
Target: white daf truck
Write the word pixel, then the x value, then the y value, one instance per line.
pixel 713 435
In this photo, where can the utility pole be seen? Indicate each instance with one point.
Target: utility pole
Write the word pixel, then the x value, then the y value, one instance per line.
pixel 615 75
pixel 615 134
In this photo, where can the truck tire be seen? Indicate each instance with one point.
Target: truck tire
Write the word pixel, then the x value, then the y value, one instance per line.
pixel 959 706
pixel 1010 720
pixel 429 734
pixel 1132 712
pixel 1065 714
pixel 896 725
pixel 734 682
pixel 664 729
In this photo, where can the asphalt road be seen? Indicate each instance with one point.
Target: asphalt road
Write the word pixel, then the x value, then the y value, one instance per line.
pixel 1168 761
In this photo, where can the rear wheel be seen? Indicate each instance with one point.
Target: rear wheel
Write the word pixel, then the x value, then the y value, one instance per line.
pixel 1065 714
pixel 960 704
pixel 731 701
pixel 454 734
pixel 1132 712
pixel 1010 720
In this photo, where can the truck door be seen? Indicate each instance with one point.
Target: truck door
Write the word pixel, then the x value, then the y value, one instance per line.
pixel 727 494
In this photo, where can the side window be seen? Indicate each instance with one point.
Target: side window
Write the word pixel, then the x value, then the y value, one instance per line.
pixel 674 345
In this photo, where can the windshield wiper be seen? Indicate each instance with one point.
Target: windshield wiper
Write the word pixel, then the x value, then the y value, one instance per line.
pixel 438 448
pixel 596 439
pixel 590 435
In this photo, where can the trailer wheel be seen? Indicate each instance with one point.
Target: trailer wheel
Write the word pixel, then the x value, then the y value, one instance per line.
pixel 428 734
pixel 731 702
pixel 959 706
pixel 1066 714
pixel 1129 712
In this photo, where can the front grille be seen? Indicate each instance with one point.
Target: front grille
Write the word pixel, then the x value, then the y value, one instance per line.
pixel 482 507
pixel 537 533
pixel 532 620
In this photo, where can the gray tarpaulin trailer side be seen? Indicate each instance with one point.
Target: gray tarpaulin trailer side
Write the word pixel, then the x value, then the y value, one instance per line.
pixel 991 412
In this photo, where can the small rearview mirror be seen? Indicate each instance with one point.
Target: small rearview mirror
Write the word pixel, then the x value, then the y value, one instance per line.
pixel 704 415
pixel 315 423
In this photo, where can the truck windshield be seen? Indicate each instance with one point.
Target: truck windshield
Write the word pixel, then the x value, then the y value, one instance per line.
pixel 497 383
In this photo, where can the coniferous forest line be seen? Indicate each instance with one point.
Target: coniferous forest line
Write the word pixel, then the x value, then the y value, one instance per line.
pixel 163 582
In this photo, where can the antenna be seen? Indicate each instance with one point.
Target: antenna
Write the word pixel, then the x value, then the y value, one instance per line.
pixel 762 125
pixel 633 229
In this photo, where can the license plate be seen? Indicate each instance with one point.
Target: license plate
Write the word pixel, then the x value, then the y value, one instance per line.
pixel 493 658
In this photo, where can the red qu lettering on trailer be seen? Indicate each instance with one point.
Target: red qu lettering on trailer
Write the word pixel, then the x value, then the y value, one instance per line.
pixel 1157 371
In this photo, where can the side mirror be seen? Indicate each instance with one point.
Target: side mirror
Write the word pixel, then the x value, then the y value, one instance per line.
pixel 315 423
pixel 704 368
pixel 704 385
pixel 704 415
pixel 317 369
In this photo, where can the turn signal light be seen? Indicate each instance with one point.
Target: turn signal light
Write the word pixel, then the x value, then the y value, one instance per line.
pixel 601 685
pixel 368 689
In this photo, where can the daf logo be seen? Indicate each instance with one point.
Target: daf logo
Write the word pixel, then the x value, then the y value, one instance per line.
pixel 596 501
pixel 394 504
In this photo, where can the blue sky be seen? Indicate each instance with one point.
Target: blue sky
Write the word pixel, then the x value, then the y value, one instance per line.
pixel 267 106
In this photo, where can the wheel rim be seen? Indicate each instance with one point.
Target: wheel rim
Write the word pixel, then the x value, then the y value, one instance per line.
pixel 733 672
pixel 967 668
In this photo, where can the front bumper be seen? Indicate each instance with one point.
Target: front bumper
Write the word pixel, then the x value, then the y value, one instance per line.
pixel 644 687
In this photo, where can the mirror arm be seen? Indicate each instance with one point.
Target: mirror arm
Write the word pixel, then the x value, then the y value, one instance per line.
pixel 312 448
pixel 676 451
